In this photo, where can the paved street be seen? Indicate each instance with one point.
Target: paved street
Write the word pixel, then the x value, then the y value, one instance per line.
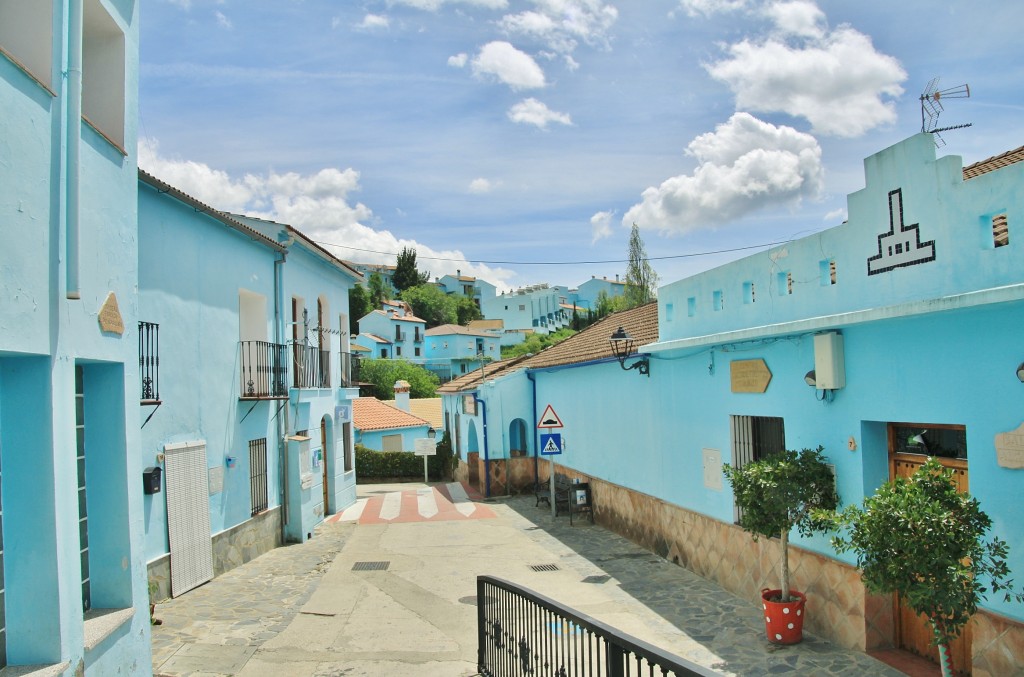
pixel 303 611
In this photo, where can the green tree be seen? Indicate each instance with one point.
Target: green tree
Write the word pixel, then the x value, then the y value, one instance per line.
pixel 641 280
pixel 383 374
pixel 921 538
pixel 466 310
pixel 430 303
pixel 606 304
pixel 407 275
pixel 358 307
pixel 378 290
pixel 535 343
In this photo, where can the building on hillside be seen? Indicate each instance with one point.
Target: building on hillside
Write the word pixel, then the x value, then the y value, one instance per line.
pixel 537 308
pixel 905 321
pixel 383 427
pixel 373 346
pixel 387 273
pixel 452 350
pixel 74 597
pixel 464 285
pixel 397 324
pixel 585 297
pixel 247 371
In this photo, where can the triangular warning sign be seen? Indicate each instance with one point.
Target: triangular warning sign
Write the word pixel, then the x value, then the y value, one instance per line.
pixel 551 447
pixel 549 419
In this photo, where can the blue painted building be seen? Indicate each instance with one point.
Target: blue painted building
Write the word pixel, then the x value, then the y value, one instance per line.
pixel 468 286
pixel 452 350
pixel 385 427
pixel 586 295
pixel 906 322
pixel 396 324
pixel 537 308
pixel 74 593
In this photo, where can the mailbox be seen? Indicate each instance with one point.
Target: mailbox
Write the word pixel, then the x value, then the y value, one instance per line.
pixel 151 480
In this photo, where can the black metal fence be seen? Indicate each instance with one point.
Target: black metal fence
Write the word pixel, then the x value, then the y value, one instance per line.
pixel 264 370
pixel 349 370
pixel 523 633
pixel 312 366
pixel 258 475
pixel 149 361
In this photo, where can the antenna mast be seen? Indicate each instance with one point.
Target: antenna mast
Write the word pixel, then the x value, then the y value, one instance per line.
pixel 931 107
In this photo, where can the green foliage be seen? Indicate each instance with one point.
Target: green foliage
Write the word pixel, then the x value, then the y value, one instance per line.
pixel 535 343
pixel 430 303
pixel 466 310
pixel 606 304
pixel 377 290
pixel 922 539
pixel 447 459
pixel 358 307
pixel 381 464
pixel 407 275
pixel 383 374
pixel 641 280
pixel 783 491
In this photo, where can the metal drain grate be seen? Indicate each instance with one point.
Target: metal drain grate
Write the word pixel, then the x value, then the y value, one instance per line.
pixel 544 567
pixel 371 566
pixel 597 579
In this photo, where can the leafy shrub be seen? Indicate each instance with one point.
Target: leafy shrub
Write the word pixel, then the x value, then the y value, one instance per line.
pixel 385 464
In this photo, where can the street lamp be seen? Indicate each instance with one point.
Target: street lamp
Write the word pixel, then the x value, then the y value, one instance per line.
pixel 622 346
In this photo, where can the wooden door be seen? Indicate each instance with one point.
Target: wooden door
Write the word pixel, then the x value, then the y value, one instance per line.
pixel 913 631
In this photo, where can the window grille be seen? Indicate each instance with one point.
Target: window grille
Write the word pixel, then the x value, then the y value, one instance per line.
pixel 1000 231
pixel 258 475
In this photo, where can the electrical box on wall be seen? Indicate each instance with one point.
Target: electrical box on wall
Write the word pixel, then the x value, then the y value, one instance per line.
pixel 151 480
pixel 829 363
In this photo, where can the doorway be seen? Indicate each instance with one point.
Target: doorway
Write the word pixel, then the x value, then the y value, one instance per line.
pixel 910 445
pixel 323 463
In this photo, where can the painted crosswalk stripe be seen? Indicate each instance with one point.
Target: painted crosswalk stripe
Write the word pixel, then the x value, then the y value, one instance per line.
pixel 353 512
pixel 461 499
pixel 392 507
pixel 426 502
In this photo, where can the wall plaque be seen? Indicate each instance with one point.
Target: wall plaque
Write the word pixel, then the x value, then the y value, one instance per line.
pixel 110 316
pixel 1010 448
pixel 749 376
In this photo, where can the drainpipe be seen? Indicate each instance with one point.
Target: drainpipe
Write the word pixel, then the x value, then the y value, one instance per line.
pixel 487 457
pixel 536 440
pixel 282 425
pixel 73 92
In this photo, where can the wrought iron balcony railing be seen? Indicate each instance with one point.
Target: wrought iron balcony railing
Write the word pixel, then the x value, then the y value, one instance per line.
pixel 149 362
pixel 520 632
pixel 349 370
pixel 264 370
pixel 311 367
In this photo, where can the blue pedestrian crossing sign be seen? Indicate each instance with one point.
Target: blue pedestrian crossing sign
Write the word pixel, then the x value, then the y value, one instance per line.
pixel 551 444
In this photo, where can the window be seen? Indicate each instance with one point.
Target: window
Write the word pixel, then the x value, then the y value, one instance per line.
pixel 83 511
pixel 522 307
pixel 754 438
pixel 103 72
pixel 398 351
pixel 691 306
pixel 346 440
pixel 827 272
pixel 26 30
pixel 391 443
pixel 1000 231
pixel 717 300
pixel 417 351
pixel 258 475
pixel 930 439
pixel 785 282
pixel 748 292
pixel 383 352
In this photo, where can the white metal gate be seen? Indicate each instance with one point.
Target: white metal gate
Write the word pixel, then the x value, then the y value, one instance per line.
pixel 188 515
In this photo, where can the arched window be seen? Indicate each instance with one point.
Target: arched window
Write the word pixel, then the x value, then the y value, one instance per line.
pixel 518 442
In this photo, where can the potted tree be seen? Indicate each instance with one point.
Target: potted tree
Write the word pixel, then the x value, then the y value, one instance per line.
pixel 776 494
pixel 920 538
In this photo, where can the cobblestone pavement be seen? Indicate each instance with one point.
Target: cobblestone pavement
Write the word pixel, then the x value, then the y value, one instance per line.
pixel 216 629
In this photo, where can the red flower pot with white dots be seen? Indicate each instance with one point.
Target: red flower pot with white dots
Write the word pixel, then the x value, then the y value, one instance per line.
pixel 783 621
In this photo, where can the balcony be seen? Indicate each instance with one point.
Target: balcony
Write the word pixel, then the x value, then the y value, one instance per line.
pixel 400 336
pixel 311 367
pixel 349 370
pixel 264 370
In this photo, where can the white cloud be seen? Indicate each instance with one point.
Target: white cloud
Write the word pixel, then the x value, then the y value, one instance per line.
pixel 459 60
pixel 601 226
pixel 481 185
pixel 223 21
pixel 835 215
pixel 835 79
pixel 533 112
pixel 744 165
pixel 516 69
pixel 434 5
pixel 696 8
pixel 561 24
pixel 318 204
pixel 373 21
pixel 184 4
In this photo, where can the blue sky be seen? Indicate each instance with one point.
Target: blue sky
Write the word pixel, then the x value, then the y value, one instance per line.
pixel 488 131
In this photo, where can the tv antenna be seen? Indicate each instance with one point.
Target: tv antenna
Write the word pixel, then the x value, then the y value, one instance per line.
pixel 931 107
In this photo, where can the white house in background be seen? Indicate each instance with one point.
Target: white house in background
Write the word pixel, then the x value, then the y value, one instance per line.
pixel 535 308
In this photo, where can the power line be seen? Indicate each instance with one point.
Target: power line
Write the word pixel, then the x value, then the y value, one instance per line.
pixel 560 263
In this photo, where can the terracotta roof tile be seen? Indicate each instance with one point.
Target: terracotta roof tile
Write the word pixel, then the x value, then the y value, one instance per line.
pixel 369 413
pixel 993 163
pixel 447 329
pixel 427 408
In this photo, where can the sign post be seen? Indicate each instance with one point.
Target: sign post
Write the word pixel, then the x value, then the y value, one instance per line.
pixel 425 447
pixel 551 446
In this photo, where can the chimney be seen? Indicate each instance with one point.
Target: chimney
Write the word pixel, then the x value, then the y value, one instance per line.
pixel 402 395
pixel 458 272
pixel 616 277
